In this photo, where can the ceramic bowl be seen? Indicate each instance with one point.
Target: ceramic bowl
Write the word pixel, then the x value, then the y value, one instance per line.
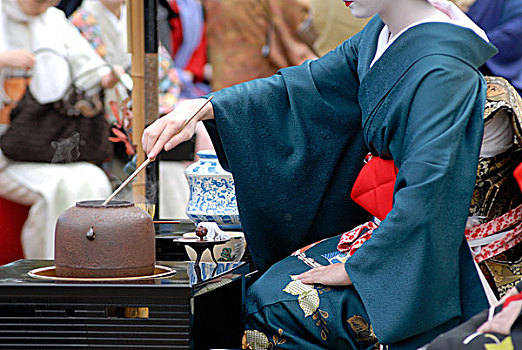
pixel 233 250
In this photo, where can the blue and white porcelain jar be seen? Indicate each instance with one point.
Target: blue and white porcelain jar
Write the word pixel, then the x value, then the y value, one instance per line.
pixel 212 192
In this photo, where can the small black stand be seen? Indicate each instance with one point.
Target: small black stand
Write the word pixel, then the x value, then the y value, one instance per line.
pixel 200 246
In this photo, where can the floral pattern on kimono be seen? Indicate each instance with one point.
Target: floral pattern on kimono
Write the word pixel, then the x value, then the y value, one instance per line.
pixel 308 299
pixel 466 336
pixel 86 23
pixel 332 316
pixel 258 340
pixel 496 192
pixel 506 344
pixel 363 330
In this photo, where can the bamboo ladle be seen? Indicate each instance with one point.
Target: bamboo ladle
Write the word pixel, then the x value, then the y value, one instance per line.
pixel 148 160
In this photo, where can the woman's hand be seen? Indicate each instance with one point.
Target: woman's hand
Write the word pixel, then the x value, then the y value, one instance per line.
pixel 22 59
pixel 164 133
pixel 331 275
pixel 110 79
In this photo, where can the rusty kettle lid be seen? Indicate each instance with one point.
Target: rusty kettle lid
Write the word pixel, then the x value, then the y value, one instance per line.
pixel 98 204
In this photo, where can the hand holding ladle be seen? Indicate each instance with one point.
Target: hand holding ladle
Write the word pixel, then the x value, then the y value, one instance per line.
pixel 148 160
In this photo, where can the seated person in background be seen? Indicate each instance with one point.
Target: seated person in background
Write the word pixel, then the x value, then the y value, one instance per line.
pixel 27 26
pixel 498 327
pixel 249 39
pixel 104 24
pixel 496 199
pixel 188 44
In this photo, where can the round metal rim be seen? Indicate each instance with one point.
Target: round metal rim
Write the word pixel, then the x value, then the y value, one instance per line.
pixel 34 273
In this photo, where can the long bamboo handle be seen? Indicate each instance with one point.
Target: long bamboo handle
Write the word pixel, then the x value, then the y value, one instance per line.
pixel 148 160
pixel 126 182
pixel 193 115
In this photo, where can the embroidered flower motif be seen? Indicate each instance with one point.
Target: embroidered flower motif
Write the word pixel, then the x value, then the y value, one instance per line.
pixel 278 340
pixel 257 340
pixel 363 330
pixel 308 298
pixel 320 317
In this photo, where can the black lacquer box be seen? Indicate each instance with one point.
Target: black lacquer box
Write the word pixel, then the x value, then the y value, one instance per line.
pixel 189 309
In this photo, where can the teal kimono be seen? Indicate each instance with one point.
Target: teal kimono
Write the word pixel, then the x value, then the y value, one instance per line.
pixel 295 143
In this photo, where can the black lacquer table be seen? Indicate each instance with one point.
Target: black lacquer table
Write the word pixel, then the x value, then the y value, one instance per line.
pixel 185 310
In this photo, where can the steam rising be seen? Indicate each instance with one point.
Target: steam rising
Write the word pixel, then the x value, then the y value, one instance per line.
pixel 66 150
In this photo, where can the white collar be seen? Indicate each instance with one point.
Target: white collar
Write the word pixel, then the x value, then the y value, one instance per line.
pixel 452 15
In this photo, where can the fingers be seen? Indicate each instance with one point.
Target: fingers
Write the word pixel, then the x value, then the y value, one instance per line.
pixel 331 275
pixel 118 69
pixel 170 130
pixel 109 80
pixel 150 137
pixel 312 276
pixel 164 134
pixel 22 59
pixel 28 60
pixel 166 141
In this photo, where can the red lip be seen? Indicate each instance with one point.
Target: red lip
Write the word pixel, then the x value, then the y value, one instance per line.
pixel 348 3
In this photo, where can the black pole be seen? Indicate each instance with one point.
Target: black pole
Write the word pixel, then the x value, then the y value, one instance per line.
pixel 151 93
pixel 151 26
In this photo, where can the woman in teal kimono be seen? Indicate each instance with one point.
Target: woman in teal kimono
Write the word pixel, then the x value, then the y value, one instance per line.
pixel 405 88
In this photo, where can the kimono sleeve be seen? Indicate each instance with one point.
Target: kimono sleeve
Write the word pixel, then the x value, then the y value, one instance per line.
pixel 409 274
pixel 322 87
pixel 291 141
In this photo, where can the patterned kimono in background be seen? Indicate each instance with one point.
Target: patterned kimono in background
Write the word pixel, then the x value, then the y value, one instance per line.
pixel 189 46
pixel 238 30
pixel 505 329
pixel 93 22
pixel 496 191
pixel 295 143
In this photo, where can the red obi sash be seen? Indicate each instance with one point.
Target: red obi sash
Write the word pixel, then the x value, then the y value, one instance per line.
pixel 372 190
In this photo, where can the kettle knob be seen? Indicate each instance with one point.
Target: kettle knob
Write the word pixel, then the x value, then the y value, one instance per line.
pixel 91 234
